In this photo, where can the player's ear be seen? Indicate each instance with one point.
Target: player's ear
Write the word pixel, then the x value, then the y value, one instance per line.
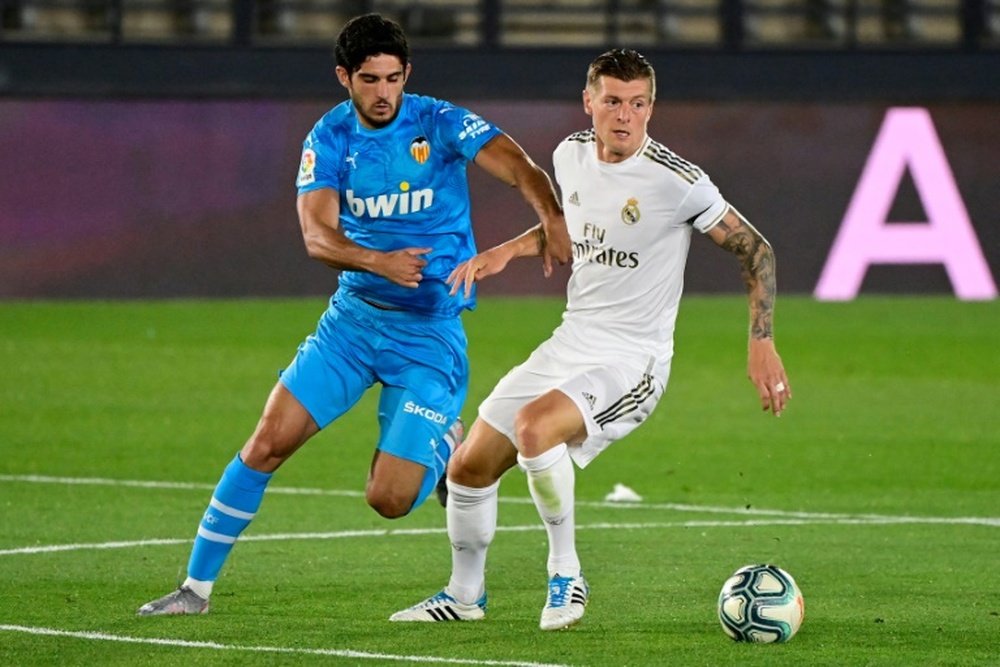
pixel 587 103
pixel 406 72
pixel 344 77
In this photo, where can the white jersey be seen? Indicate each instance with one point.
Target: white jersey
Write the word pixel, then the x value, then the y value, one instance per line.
pixel 630 223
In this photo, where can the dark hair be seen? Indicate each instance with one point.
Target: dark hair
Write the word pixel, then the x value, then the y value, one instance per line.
pixel 624 65
pixel 369 35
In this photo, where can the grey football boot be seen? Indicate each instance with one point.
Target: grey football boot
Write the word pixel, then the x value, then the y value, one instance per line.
pixel 182 601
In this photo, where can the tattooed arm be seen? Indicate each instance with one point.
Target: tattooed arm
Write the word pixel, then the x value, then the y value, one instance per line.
pixel 764 367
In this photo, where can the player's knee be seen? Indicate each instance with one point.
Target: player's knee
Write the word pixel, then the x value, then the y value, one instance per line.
pixel 388 503
pixel 478 472
pixel 460 472
pixel 458 467
pixel 263 450
pixel 274 440
pixel 530 434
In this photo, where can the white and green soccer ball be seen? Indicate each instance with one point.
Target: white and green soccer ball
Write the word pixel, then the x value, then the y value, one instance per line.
pixel 760 603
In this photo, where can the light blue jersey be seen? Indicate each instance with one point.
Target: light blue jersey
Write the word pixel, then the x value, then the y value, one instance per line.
pixel 403 185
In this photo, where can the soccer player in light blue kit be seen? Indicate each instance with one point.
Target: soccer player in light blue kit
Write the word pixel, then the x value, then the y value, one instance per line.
pixel 383 197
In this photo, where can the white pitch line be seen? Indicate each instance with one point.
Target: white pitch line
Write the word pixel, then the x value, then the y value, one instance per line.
pixel 752 511
pixel 767 518
pixel 343 534
pixel 339 653
pixel 677 507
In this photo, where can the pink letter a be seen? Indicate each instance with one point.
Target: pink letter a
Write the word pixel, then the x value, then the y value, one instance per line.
pixel 907 139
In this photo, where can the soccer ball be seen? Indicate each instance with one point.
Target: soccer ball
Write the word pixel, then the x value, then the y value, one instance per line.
pixel 760 603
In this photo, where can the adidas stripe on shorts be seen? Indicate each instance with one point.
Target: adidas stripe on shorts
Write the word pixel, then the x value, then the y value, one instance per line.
pixel 614 398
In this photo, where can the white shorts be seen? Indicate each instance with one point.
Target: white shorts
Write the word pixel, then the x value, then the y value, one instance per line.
pixel 613 398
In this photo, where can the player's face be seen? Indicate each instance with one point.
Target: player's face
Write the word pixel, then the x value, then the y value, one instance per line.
pixel 621 111
pixel 376 89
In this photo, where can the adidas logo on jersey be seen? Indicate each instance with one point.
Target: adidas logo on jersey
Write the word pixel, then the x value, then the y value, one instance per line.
pixel 385 205
pixel 574 199
pixel 591 400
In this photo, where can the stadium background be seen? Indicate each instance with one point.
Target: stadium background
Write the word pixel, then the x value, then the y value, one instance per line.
pixel 148 148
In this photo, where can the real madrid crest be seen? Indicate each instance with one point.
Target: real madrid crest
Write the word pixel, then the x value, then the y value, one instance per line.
pixel 420 149
pixel 630 212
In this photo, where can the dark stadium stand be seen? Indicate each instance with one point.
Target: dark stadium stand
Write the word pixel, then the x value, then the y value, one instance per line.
pixel 757 49
pixel 970 24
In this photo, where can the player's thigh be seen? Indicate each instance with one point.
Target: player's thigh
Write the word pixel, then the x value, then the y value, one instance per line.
pixel 412 426
pixel 425 376
pixel 613 401
pixel 332 368
pixel 539 374
pixel 284 426
pixel 551 419
pixel 393 483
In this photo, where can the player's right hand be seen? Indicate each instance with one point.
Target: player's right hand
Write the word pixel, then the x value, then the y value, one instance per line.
pixel 766 372
pixel 557 244
pixel 484 264
pixel 404 266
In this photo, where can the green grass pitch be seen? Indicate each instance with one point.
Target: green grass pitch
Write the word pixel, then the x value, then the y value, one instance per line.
pixel 877 489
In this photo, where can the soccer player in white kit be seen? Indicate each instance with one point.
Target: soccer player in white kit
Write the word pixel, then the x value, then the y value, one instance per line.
pixel 631 206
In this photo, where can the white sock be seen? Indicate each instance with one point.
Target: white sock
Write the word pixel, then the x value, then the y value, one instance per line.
pixel 472 523
pixel 202 589
pixel 551 479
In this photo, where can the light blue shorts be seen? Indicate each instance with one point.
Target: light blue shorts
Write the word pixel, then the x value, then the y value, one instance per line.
pixel 419 360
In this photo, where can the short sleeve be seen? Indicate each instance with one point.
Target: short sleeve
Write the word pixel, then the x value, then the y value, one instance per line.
pixel 463 131
pixel 704 206
pixel 318 163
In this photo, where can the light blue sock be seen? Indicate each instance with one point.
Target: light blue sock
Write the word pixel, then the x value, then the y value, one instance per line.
pixel 233 505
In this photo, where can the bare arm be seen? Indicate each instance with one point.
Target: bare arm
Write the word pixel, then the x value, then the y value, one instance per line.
pixel 756 258
pixel 319 218
pixel 504 159
pixel 489 262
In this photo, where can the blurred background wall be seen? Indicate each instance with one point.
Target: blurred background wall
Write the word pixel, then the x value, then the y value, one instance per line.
pixel 148 148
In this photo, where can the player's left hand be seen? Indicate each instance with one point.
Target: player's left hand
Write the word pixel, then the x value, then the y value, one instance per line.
pixel 766 372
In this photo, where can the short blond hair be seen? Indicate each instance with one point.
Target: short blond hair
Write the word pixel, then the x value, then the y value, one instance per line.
pixel 624 65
